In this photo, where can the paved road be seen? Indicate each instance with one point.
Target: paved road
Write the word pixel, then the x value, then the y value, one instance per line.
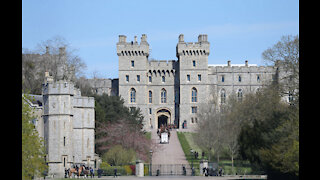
pixel 171 177
pixel 169 154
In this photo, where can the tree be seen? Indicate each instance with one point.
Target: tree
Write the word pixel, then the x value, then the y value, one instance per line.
pixel 33 151
pixel 285 56
pixel 48 56
pixel 232 127
pixel 209 134
pixel 117 125
pixel 269 136
pixel 117 156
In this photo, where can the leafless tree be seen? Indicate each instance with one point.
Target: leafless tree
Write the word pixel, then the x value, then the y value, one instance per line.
pixel 285 56
pixel 50 55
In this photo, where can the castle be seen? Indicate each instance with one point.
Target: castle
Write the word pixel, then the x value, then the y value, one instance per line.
pixel 171 92
pixel 66 122
pixel 166 91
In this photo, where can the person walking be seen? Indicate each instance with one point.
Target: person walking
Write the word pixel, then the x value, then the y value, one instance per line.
pixel 91 173
pixel 115 172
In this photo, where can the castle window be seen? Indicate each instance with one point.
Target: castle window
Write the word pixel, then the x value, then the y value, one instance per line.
pixel 150 111
pixel 196 120
pixel 150 79
pixel 188 77
pixel 132 63
pixel 192 120
pixel 132 95
pixel 222 78
pixel 258 78
pixel 194 95
pixel 290 96
pixel 150 96
pixel 239 78
pixel 240 95
pixel 199 77
pixel 163 79
pixel 163 96
pixel 223 96
pixel 127 78
pixel 194 109
pixel 138 78
pixel 64 141
pixel 194 63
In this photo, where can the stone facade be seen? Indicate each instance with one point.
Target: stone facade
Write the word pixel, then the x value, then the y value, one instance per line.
pixel 68 126
pixel 171 92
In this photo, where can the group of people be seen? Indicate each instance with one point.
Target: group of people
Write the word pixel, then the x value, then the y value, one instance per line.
pixel 163 129
pixel 205 172
pixel 91 171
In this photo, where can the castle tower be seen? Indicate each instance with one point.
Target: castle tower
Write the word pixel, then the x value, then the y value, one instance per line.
pixel 58 123
pixel 133 63
pixel 193 77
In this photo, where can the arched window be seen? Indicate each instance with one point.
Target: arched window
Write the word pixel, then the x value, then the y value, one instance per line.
pixel 163 96
pixel 223 96
pixel 163 79
pixel 240 95
pixel 194 95
pixel 132 95
pixel 150 96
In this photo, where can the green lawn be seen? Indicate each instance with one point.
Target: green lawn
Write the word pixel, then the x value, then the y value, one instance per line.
pixel 187 143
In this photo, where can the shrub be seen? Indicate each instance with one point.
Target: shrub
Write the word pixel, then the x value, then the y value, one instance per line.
pixel 109 171
pixel 128 169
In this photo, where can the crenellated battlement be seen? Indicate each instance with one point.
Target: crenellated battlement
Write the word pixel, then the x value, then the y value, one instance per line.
pixel 132 48
pixel 200 48
pixel 60 87
pixel 83 102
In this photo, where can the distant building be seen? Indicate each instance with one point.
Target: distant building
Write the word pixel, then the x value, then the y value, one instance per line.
pixel 171 91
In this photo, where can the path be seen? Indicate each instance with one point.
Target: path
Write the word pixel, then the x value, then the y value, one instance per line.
pixel 171 153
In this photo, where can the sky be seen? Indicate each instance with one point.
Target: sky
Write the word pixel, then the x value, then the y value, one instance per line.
pixel 237 30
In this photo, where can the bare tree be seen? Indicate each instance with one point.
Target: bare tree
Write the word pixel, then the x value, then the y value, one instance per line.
pixel 209 134
pixel 54 55
pixel 285 56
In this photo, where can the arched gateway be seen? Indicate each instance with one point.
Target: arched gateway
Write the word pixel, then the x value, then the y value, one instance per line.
pixel 163 117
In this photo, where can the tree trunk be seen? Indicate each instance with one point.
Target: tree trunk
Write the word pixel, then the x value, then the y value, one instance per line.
pixel 232 164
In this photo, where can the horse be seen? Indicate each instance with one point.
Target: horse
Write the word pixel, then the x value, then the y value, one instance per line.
pixel 74 170
pixel 84 170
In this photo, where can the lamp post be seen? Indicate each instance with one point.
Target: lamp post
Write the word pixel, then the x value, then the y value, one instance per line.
pixel 150 168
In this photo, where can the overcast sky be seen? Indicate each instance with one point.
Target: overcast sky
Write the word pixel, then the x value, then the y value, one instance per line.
pixel 237 30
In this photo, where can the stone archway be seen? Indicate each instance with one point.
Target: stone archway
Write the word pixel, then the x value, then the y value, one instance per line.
pixel 162 120
pixel 163 117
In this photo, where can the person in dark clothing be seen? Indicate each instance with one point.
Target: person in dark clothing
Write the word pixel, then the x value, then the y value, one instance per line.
pixel 91 172
pixel 115 172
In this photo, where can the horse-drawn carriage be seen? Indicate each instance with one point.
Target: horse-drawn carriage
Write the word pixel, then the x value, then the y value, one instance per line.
pixel 164 135
pixel 78 170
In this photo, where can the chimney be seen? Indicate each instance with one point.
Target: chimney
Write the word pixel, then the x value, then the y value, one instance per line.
pixel 47 49
pixel 181 38
pixel 246 62
pixel 62 51
pixel 135 39
pixel 203 38
pixel 122 38
pixel 229 63
pixel 144 38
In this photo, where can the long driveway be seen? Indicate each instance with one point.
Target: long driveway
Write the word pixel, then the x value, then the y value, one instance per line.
pixel 171 153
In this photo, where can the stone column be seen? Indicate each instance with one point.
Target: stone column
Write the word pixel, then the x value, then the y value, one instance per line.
pixel 139 168
pixel 203 164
